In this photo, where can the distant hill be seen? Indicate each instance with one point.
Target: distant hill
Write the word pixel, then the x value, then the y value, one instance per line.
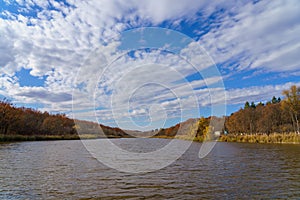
pixel 179 129
pixel 29 122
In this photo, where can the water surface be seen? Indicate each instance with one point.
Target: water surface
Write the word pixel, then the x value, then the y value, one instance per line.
pixel 65 170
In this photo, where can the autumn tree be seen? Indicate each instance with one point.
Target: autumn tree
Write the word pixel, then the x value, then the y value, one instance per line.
pixel 5 115
pixel 203 123
pixel 259 118
pixel 291 104
pixel 270 119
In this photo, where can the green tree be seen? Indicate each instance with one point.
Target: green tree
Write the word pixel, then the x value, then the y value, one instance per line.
pixel 253 105
pixel 274 100
pixel 247 105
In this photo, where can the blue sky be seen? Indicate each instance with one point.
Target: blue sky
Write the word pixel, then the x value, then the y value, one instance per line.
pixel 146 64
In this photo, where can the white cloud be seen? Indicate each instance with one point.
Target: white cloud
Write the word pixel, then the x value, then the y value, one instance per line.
pixel 262 35
pixel 257 93
pixel 71 46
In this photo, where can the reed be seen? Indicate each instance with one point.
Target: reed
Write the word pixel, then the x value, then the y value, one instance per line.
pixel 275 138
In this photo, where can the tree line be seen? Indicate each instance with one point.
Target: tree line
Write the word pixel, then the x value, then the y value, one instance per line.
pixel 27 121
pixel 276 116
pixel 31 122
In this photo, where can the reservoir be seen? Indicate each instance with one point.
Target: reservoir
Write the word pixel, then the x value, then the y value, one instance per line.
pixel 66 170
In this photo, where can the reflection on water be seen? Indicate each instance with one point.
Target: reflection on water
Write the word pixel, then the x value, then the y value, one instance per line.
pixel 65 170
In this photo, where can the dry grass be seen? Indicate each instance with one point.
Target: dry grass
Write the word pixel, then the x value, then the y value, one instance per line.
pixel 275 138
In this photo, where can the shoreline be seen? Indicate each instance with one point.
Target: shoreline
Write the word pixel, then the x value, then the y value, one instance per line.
pixel 275 138
pixel 32 138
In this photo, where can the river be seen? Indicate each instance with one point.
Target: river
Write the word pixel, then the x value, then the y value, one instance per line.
pixel 66 170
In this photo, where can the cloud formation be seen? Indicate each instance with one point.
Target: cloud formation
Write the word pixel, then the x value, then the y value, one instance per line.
pixel 258 36
pixel 61 39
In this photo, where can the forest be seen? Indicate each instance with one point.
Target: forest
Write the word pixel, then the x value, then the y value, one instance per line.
pixel 29 124
pixel 276 116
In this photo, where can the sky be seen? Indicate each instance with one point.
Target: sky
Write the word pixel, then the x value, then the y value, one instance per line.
pixel 147 64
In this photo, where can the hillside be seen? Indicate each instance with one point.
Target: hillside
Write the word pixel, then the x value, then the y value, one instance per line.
pixel 29 124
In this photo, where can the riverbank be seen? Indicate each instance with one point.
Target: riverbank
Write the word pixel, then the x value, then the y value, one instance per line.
pixel 275 138
pixel 181 137
pixel 19 138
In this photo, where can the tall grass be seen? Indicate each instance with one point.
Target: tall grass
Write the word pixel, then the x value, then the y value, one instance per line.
pixel 291 138
pixel 275 138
